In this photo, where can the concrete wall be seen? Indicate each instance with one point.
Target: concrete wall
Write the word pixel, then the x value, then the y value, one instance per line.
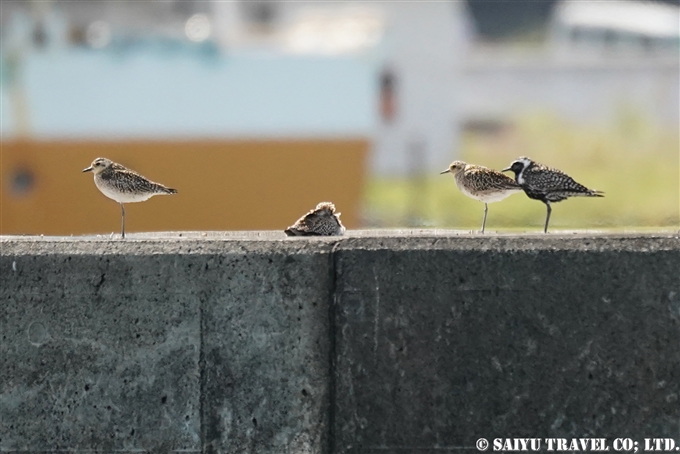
pixel 252 343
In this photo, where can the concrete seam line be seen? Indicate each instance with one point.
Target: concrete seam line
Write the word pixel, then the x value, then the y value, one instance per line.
pixel 332 296
pixel 201 374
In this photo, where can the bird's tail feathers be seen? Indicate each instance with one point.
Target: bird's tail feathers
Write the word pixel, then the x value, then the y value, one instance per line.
pixel 589 194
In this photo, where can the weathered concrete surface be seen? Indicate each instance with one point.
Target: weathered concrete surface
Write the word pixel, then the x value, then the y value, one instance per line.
pixel 164 346
pixel 442 341
pixel 410 341
pixel 266 350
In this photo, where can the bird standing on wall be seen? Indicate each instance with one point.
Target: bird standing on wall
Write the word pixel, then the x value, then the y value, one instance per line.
pixel 546 184
pixel 124 185
pixel 481 183
pixel 321 221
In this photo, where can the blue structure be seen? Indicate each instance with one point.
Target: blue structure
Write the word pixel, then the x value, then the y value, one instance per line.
pixel 176 90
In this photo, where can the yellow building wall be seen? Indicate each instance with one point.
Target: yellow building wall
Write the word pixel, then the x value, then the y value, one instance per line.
pixel 222 185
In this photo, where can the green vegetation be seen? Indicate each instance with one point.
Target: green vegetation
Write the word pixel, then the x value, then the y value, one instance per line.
pixel 635 163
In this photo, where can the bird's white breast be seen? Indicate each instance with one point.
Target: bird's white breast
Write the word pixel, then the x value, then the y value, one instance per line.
pixel 496 196
pixel 486 196
pixel 121 197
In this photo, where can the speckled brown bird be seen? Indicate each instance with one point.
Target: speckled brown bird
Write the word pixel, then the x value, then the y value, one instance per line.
pixel 547 184
pixel 481 183
pixel 123 185
pixel 321 221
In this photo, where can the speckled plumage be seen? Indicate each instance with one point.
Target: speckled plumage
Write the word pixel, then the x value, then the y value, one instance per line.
pixel 321 221
pixel 547 184
pixel 481 183
pixel 123 185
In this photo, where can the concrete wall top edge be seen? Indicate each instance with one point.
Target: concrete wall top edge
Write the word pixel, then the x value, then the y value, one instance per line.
pixel 596 242
pixel 220 243
pixel 161 247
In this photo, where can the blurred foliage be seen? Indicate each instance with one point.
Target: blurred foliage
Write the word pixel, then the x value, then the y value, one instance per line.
pixel 636 164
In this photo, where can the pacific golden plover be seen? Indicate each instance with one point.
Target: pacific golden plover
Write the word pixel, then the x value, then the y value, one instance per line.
pixel 321 221
pixel 546 184
pixel 481 183
pixel 123 185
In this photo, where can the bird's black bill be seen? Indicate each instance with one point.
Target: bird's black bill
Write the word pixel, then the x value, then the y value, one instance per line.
pixel 505 170
pixel 89 169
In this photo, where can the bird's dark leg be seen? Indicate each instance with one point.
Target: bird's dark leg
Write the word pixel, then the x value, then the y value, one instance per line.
pixel 547 218
pixel 122 228
pixel 486 208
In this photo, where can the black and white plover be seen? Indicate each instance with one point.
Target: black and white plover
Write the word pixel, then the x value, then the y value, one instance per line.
pixel 123 185
pixel 321 221
pixel 481 183
pixel 546 184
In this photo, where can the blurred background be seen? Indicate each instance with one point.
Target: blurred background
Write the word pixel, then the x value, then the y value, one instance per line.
pixel 258 110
